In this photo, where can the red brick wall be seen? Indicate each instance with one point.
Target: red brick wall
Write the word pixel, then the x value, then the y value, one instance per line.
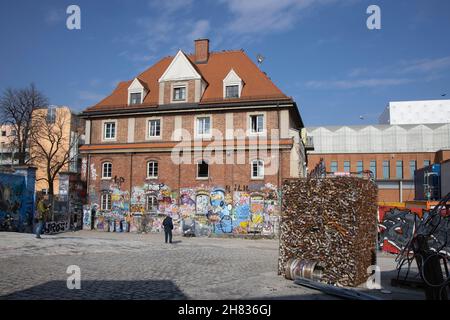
pixel 201 50
pixel 133 168
pixel 97 130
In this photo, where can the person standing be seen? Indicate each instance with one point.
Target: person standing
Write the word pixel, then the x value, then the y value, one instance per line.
pixel 93 212
pixel 168 227
pixel 42 210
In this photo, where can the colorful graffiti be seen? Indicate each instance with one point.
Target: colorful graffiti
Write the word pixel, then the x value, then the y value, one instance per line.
pixel 17 200
pixel 195 211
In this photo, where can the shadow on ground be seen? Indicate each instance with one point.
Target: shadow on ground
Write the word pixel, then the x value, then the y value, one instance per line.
pixel 102 290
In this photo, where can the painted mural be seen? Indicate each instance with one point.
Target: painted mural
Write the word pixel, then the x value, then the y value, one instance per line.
pixel 195 211
pixel 17 201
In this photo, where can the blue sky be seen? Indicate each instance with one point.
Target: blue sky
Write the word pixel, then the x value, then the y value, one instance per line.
pixel 318 51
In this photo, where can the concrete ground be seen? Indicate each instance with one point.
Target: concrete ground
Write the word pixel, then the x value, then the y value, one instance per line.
pixel 142 266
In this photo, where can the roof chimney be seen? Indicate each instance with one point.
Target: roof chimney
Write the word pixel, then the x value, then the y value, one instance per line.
pixel 201 50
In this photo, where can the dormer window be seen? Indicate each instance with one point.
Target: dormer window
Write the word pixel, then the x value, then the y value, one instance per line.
pixel 179 93
pixel 232 91
pixel 232 85
pixel 135 98
pixel 137 92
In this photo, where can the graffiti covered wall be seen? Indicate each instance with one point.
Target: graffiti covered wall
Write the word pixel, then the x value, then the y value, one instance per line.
pixel 197 211
pixel 17 200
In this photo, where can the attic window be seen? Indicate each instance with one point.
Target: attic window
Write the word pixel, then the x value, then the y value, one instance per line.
pixel 232 85
pixel 137 92
pixel 179 93
pixel 232 91
pixel 135 98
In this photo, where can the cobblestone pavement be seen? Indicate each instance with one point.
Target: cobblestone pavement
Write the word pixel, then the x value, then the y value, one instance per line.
pixel 133 266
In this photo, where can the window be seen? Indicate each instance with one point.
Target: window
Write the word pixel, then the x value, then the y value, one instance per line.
pixel 154 128
pixel 426 163
pixel 107 170
pixel 334 166
pixel 152 203
pixel 106 202
pixel 13 133
pixel 51 115
pixel 412 168
pixel 135 98
pixel 152 169
pixel 3 133
pixel 109 130
pixel 232 92
pixel 203 126
pixel 399 169
pixel 386 170
pixel 373 168
pixel 257 169
pixel 346 166
pixel 179 93
pixel 257 123
pixel 359 166
pixel 202 169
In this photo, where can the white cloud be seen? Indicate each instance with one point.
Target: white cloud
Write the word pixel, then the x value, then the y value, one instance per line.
pixel 90 96
pixel 266 16
pixel 55 16
pixel 200 30
pixel 170 6
pixel 427 65
pixel 358 83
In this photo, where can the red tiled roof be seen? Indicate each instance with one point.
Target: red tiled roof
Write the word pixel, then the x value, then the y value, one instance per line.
pixel 257 86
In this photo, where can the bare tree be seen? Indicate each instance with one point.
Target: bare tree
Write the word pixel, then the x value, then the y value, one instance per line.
pixel 54 143
pixel 16 108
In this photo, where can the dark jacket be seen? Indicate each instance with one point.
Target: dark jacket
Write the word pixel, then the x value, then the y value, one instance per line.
pixel 167 223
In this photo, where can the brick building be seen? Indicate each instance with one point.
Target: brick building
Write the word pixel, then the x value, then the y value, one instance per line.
pixel 391 152
pixel 206 138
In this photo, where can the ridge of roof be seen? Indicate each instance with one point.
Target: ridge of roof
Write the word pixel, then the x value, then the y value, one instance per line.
pixel 258 86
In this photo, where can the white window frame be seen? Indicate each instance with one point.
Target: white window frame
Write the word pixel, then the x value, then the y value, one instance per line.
pixel 203 135
pixel 147 203
pixel 148 171
pixel 104 123
pixel 232 79
pixel 197 169
pixel 103 170
pixel 106 205
pixel 179 85
pixel 140 102
pixel 147 130
pixel 238 91
pixel 136 87
pixel 260 175
pixel 249 123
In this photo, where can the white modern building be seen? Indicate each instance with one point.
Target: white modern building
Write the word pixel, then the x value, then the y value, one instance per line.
pixel 416 112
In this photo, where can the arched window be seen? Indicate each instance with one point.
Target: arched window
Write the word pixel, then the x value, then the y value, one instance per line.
pixel 152 169
pixel 202 169
pixel 257 169
pixel 106 202
pixel 152 203
pixel 107 170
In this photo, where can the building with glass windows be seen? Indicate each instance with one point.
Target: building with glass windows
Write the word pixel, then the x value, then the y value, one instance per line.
pixel 391 152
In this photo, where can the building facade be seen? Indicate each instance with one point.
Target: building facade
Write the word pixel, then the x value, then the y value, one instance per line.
pixel 206 138
pixel 7 150
pixel 391 152
pixel 58 134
